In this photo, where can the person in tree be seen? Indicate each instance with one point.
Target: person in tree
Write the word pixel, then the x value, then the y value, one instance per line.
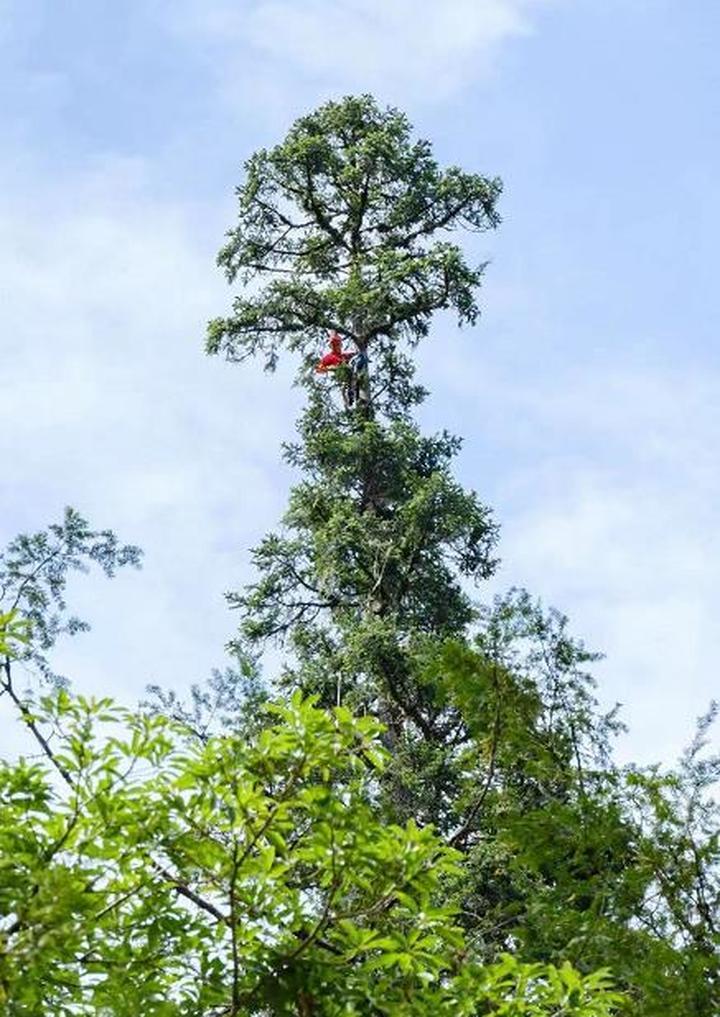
pixel 336 357
pixel 354 364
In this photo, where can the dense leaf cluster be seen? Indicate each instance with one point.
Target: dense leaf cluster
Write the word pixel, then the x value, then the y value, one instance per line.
pixel 172 877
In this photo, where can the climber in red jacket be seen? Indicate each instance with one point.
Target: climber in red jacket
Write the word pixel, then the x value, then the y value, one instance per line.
pixel 335 357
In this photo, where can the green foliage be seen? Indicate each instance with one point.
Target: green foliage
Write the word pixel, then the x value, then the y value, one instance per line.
pixel 378 528
pixel 234 876
pixel 679 813
pixel 14 632
pixel 430 822
pixel 34 570
pixel 338 226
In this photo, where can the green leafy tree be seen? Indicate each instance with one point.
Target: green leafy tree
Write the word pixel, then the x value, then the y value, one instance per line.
pixel 169 875
pixel 34 571
pixel 338 226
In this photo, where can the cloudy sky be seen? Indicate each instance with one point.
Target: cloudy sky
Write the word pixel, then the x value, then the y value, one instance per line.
pixel 587 394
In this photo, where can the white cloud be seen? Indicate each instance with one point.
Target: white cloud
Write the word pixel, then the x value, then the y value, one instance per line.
pixel 109 404
pixel 402 51
pixel 608 503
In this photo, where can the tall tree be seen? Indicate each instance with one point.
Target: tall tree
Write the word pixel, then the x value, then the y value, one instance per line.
pixel 345 227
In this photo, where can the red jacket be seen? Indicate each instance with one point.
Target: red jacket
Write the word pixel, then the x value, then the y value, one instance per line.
pixel 335 357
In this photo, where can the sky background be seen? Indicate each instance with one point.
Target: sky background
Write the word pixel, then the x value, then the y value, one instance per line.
pixel 587 394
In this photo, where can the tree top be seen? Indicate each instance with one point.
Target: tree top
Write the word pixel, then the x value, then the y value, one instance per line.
pixel 347 225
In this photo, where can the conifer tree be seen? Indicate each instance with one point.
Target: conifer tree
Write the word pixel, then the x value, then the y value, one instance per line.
pixel 347 226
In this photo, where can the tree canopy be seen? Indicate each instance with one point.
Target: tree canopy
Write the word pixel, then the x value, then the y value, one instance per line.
pixel 345 225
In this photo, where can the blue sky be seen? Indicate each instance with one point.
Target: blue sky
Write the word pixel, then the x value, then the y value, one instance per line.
pixel 587 394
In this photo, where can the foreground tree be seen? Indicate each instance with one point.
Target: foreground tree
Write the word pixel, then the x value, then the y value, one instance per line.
pixel 170 876
pixel 489 715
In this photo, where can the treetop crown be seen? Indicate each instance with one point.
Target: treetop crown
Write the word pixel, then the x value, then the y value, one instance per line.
pixel 346 226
